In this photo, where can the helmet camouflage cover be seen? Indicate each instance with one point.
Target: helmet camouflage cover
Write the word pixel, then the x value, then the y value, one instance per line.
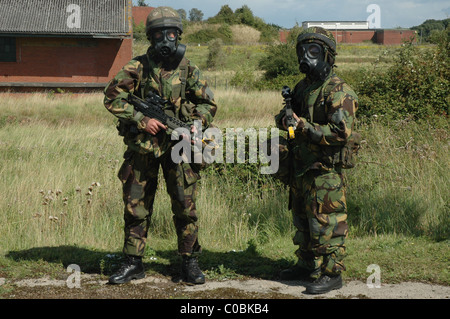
pixel 163 17
pixel 320 35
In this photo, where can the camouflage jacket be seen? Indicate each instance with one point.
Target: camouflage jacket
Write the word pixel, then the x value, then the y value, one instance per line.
pixel 142 75
pixel 327 112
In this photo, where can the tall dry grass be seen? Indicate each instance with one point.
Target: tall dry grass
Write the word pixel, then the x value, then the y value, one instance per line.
pixel 59 156
pixel 237 108
pixel 243 34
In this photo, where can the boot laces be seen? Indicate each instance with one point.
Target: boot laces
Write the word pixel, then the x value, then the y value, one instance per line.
pixel 191 264
pixel 129 261
pixel 322 279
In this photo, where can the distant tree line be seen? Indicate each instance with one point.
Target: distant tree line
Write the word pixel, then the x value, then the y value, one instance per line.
pixel 429 30
pixel 227 17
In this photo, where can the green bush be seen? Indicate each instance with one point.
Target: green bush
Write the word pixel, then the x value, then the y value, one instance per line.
pixel 216 56
pixel 244 16
pixel 269 33
pixel 416 85
pixel 428 29
pixel 201 36
pixel 278 82
pixel 225 33
pixel 139 32
pixel 280 65
pixel 243 78
pixel 280 60
pixel 206 35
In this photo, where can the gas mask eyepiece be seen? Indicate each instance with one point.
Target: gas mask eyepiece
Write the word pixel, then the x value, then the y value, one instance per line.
pixel 311 58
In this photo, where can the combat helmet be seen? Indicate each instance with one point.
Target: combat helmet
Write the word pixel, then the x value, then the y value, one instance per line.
pixel 163 17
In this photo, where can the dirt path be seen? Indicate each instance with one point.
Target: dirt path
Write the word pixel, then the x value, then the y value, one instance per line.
pixel 353 289
pixel 151 287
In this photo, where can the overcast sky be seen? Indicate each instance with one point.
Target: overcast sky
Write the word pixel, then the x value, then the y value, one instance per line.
pixel 286 13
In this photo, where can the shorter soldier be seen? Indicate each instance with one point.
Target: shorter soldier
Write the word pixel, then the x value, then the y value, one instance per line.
pixel 324 108
pixel 164 70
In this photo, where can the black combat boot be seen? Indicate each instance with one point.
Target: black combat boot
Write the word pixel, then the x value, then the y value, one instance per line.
pixel 324 284
pixel 190 271
pixel 131 269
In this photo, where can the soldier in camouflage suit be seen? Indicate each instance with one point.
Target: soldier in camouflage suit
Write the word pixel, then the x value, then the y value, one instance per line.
pixel 165 71
pixel 324 107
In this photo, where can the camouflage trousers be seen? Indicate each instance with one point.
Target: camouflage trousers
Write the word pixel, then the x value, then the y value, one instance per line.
pixel 139 177
pixel 319 210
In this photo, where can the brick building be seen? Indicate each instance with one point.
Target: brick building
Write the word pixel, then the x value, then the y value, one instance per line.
pixel 75 45
pixel 140 14
pixel 395 36
pixel 358 32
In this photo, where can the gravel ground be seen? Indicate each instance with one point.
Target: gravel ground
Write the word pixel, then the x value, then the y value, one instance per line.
pixel 160 287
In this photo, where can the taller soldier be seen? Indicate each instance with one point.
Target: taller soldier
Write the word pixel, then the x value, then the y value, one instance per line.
pixel 166 71
pixel 324 107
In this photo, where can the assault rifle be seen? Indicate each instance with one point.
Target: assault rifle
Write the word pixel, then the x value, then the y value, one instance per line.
pixel 290 120
pixel 152 107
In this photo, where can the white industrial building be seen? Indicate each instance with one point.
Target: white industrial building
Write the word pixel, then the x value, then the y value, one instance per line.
pixel 337 25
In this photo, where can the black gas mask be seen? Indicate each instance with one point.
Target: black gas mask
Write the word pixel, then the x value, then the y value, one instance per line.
pixel 165 44
pixel 312 60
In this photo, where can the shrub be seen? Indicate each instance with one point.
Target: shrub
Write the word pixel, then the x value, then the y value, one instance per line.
pixel 417 83
pixel 428 29
pixel 201 36
pixel 207 34
pixel 269 33
pixel 139 32
pixel 244 77
pixel 281 63
pixel 278 82
pixel 216 56
pixel 225 33
pixel 280 60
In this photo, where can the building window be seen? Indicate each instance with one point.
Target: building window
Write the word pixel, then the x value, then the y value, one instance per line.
pixel 7 49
